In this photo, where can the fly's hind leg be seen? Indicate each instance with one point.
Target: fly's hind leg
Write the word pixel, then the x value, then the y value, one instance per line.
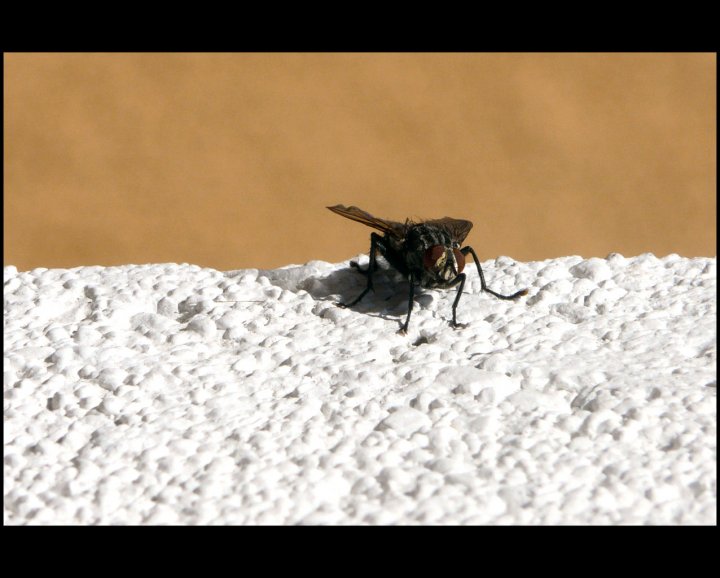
pixel 365 272
pixel 376 244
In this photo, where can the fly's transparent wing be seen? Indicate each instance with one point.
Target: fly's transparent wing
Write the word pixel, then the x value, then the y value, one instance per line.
pixel 355 214
pixel 458 228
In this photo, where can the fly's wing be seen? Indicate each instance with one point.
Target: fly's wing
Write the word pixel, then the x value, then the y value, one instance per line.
pixel 389 227
pixel 458 228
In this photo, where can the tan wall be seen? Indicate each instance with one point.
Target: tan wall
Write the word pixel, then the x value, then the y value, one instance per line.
pixel 228 160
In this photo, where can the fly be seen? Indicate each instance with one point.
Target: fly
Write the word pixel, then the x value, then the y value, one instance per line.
pixel 427 254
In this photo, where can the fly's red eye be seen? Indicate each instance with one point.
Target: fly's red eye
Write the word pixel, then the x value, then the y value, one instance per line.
pixel 459 259
pixel 432 256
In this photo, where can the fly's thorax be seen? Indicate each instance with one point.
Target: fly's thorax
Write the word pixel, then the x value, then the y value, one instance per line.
pixel 421 237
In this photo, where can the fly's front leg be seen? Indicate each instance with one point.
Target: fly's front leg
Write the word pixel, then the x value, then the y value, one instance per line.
pixel 404 328
pixel 461 280
pixel 376 243
pixel 469 249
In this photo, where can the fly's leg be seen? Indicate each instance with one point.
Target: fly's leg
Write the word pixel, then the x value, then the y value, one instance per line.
pixel 376 243
pixel 365 272
pixel 404 328
pixel 469 249
pixel 461 280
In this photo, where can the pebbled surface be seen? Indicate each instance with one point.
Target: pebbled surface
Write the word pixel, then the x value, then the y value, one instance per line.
pixel 181 395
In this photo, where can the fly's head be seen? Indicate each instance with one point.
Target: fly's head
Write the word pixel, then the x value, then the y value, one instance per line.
pixel 444 263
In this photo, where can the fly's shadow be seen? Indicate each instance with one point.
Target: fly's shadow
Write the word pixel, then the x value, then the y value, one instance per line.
pixel 386 300
pixel 342 286
pixel 339 285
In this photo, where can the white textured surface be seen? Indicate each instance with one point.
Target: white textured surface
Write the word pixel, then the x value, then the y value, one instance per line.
pixel 176 394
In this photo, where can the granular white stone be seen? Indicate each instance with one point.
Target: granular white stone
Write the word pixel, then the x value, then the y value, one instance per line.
pixel 594 269
pixel 175 394
pixel 405 421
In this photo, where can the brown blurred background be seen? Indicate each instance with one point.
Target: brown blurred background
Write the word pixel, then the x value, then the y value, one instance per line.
pixel 228 160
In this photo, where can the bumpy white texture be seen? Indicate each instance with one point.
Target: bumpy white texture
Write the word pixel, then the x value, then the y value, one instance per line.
pixel 181 395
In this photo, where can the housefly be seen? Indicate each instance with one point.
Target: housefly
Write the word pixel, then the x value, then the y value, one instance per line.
pixel 427 253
